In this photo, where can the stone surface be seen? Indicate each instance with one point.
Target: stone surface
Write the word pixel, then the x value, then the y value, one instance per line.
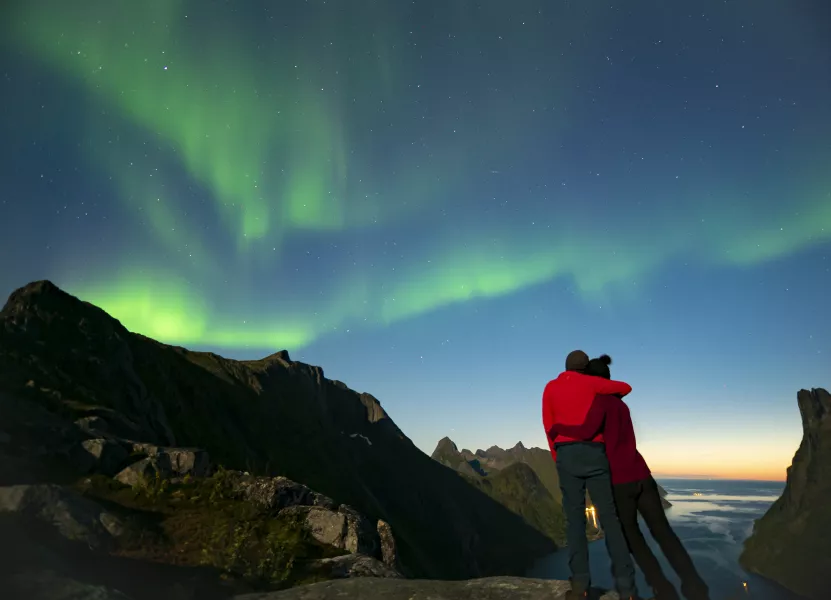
pixel 73 516
pixel 139 472
pixel 790 542
pixel 100 455
pixel 343 528
pixel 389 552
pixel 47 585
pixel 493 588
pixel 351 565
pixel 176 462
pixel 275 493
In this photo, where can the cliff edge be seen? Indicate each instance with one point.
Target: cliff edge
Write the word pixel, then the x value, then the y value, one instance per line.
pixel 790 542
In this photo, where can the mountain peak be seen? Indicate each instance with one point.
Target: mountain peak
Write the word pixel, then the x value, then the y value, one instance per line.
pixel 446 445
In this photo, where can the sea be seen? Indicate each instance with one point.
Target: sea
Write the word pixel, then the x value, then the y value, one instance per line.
pixel 712 518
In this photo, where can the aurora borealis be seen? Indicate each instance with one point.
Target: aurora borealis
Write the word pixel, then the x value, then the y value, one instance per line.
pixel 346 178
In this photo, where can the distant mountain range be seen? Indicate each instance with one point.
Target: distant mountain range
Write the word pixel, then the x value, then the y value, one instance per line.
pixel 79 392
pixel 523 479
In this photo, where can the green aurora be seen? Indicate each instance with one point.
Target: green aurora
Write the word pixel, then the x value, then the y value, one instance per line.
pixel 250 120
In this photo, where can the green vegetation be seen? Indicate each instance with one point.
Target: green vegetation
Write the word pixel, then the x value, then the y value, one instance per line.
pixel 518 488
pixel 202 522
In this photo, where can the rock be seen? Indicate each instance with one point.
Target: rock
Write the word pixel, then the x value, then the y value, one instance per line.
pixel 343 528
pixel 47 585
pixel 75 517
pixel 93 425
pixel 276 493
pixel 169 463
pixel 144 470
pixel 101 456
pixel 360 537
pixel 789 543
pixel 173 462
pixel 491 588
pixel 389 552
pixel 351 565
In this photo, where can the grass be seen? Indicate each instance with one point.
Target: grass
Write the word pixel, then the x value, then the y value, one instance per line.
pixel 201 522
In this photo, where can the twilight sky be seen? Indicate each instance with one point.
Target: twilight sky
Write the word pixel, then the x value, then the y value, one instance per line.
pixel 436 200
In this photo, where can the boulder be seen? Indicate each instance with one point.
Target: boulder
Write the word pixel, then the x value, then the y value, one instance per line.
pixel 176 462
pixel 276 493
pixel 75 517
pixel 491 588
pixel 100 455
pixel 169 463
pixel 142 471
pixel 351 565
pixel 343 528
pixel 389 552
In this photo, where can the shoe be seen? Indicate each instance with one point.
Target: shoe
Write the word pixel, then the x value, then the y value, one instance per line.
pixel 577 592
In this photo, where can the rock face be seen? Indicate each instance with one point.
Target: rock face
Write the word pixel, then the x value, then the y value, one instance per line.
pixel 495 588
pixel 521 479
pixel 75 385
pixel 789 543
pixel 74 517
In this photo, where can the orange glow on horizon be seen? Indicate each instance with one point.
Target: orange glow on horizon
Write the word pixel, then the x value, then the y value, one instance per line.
pixel 720 459
pixel 737 472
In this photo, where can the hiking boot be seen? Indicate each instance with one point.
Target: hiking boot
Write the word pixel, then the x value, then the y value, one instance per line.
pixel 577 591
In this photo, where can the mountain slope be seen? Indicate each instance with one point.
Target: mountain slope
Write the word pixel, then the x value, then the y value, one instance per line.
pixel 64 361
pixel 789 543
pixel 514 478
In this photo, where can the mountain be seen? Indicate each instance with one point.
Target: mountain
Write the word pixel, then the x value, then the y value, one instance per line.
pixel 494 460
pixel 484 462
pixel 74 380
pixel 789 544
pixel 524 480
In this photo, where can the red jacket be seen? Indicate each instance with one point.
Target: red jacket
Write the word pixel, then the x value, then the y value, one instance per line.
pixel 610 415
pixel 567 399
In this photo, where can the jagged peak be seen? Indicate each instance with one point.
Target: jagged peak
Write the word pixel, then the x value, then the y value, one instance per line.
pixel 35 293
pixel 446 444
pixel 814 406
pixel 282 355
pixel 518 446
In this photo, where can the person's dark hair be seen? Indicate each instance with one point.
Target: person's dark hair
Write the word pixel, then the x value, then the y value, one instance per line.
pixel 599 367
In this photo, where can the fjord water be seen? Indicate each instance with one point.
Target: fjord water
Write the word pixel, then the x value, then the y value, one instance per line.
pixel 712 518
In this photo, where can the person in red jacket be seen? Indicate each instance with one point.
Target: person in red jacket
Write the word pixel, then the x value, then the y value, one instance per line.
pixel 582 465
pixel 634 490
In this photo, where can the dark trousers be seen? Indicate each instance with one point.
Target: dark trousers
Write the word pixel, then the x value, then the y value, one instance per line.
pixel 584 466
pixel 643 497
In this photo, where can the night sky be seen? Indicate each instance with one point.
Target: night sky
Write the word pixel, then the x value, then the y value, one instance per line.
pixel 437 200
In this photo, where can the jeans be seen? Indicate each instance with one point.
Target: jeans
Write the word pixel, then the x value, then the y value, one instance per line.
pixel 584 466
pixel 643 497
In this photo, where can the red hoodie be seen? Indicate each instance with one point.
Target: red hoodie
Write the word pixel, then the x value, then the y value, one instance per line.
pixel 611 415
pixel 566 400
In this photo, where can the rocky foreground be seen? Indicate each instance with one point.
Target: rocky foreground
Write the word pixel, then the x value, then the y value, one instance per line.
pixel 492 588
pixel 129 468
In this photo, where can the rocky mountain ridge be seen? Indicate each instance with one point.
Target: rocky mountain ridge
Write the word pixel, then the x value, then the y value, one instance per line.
pixel 81 398
pixel 789 543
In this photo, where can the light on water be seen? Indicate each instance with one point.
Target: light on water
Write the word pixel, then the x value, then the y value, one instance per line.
pixel 712 518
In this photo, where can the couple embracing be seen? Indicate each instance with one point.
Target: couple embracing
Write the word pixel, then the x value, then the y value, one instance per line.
pixel 592 440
